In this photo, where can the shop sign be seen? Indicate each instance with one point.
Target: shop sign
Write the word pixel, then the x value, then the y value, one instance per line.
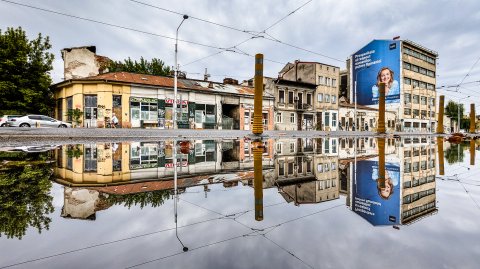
pixel 170 101
pixel 143 100
pixel 170 165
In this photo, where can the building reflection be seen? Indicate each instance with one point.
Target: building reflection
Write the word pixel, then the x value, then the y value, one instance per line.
pixel 305 171
pixel 394 188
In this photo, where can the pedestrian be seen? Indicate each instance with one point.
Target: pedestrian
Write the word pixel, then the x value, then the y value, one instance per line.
pixel 114 121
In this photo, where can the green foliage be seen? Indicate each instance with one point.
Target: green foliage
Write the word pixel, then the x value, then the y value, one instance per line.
pixel 25 199
pixel 24 73
pixel 76 115
pixel 452 153
pixel 451 110
pixel 155 67
pixel 74 151
pixel 152 199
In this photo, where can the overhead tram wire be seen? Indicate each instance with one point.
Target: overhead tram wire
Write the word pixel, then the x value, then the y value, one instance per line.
pixel 125 28
pixel 110 24
pixel 468 73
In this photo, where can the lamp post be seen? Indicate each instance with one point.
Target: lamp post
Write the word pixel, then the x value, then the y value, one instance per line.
pixel 458 112
pixel 355 95
pixel 175 76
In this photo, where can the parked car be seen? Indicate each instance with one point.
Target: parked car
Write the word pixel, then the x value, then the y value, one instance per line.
pixel 5 118
pixel 38 121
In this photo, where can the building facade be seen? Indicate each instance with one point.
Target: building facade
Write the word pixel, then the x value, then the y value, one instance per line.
pixel 414 79
pixel 325 99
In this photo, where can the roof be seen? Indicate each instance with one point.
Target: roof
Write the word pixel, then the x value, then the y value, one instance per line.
pixel 165 82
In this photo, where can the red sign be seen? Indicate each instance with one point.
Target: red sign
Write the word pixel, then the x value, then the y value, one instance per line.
pixel 170 165
pixel 170 101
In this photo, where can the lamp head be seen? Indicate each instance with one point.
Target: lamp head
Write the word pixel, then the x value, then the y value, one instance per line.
pixel 185 17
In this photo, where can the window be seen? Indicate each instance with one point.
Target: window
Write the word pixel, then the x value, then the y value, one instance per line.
pixel 422 85
pixel 431 101
pixel 327 145
pixel 334 146
pixel 334 99
pixel 320 97
pixel 290 168
pixel 281 96
pixel 334 119
pixel 321 80
pixel 408 98
pixel 320 167
pixel 416 112
pixel 416 99
pixel 423 100
pixel 292 147
pixel 327 118
pixel 278 148
pixel 292 117
pixel 278 117
pixel 407 81
pixel 334 82
pixel 309 99
pixel 281 168
pixel 327 80
pixel 290 97
pixel 327 98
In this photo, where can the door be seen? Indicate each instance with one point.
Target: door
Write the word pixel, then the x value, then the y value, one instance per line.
pixel 246 121
pixel 90 117
pixel 300 101
pixel 135 115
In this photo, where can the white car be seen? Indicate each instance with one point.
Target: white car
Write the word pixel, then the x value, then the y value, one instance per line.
pixel 5 118
pixel 38 121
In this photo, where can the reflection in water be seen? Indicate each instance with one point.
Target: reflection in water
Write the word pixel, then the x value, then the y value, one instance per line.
pixel 25 199
pixel 392 181
pixel 386 193
pixel 258 179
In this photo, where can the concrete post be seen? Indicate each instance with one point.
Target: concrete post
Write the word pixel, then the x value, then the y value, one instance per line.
pixel 441 107
pixel 472 152
pixel 381 162
pixel 381 109
pixel 441 158
pixel 472 118
pixel 258 98
pixel 258 179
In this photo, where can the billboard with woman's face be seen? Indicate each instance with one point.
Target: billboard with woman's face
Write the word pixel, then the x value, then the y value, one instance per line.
pixel 377 202
pixel 379 61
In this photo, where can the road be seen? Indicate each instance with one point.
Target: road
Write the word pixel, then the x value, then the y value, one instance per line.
pixel 43 136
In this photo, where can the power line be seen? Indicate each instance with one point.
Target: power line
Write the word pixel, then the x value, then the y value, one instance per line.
pixel 192 17
pixel 109 24
pixel 283 18
pixel 468 73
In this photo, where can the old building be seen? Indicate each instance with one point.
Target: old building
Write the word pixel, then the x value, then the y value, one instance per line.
pixel 140 100
pixel 325 98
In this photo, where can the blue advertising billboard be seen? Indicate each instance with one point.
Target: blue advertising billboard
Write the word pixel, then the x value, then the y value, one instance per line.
pixel 379 205
pixel 379 61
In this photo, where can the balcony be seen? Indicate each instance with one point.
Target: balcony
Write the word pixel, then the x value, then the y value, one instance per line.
pixel 301 106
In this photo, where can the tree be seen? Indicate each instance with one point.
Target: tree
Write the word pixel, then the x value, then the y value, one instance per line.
pixel 451 110
pixel 24 73
pixel 155 67
pixel 25 199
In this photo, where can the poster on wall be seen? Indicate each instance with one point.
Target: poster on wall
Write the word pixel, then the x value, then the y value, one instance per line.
pixel 378 203
pixel 379 61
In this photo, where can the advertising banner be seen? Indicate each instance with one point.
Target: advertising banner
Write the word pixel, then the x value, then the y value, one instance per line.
pixel 378 203
pixel 379 61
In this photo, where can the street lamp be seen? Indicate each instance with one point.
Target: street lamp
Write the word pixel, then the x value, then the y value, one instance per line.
pixel 175 76
pixel 458 112
pixel 355 95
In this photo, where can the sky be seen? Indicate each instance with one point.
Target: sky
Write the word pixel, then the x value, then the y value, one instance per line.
pixel 224 36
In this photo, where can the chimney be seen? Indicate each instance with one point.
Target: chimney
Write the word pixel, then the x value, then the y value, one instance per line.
pixel 230 81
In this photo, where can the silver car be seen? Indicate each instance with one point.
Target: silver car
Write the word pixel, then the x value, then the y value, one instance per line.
pixel 5 118
pixel 38 121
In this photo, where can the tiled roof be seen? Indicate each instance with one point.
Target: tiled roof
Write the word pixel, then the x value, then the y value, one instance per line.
pixel 163 81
